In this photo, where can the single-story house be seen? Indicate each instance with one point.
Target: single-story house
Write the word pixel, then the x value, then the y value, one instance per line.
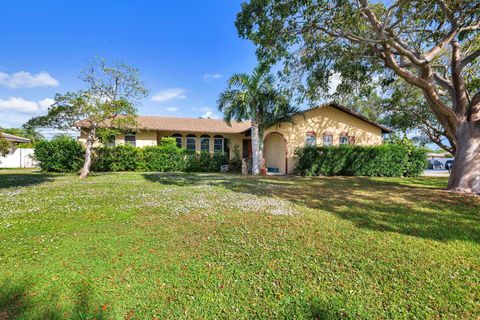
pixel 13 140
pixel 327 125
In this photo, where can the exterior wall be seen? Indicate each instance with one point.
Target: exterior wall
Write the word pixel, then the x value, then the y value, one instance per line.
pixel 274 151
pixel 143 139
pixel 18 158
pixel 325 119
pixel 234 139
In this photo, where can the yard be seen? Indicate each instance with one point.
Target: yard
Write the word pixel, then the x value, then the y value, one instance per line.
pixel 156 246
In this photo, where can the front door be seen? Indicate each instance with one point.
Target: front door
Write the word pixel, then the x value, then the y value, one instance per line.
pixel 247 148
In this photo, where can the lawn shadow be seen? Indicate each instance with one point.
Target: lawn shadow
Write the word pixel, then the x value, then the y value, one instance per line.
pixel 17 301
pixel 416 207
pixel 12 180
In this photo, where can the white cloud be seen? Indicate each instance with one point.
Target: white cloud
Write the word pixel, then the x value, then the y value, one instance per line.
pixel 24 79
pixel 171 109
pixel 210 77
pixel 335 80
pixel 17 104
pixel 46 103
pixel 170 94
pixel 208 113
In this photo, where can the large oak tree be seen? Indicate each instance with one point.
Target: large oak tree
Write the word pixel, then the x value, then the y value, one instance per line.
pixel 432 45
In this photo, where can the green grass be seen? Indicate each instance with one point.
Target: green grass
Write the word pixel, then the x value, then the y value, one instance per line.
pixel 156 246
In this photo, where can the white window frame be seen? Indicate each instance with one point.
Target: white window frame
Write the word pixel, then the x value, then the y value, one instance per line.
pixel 340 140
pixel 329 143
pixel 201 144
pixel 178 138
pixel 131 143
pixel 310 135
pixel 194 143
pixel 223 145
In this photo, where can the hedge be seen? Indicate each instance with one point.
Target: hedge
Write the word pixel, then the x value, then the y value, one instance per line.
pixel 164 158
pixel 61 154
pixel 388 160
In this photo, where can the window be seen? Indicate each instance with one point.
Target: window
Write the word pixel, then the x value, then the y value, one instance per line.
pixel 351 140
pixel 191 142
pixel 131 139
pixel 311 139
pixel 218 143
pixel 327 139
pixel 205 143
pixel 343 139
pixel 178 139
pixel 110 141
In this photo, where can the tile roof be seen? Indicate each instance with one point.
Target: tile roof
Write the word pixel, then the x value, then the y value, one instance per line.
pixel 174 124
pixel 186 124
pixel 11 137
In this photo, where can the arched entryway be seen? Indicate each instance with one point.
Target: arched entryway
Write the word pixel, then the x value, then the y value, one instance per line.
pixel 275 153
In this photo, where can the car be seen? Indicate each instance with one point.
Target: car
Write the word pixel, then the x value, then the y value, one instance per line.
pixel 435 164
pixel 449 165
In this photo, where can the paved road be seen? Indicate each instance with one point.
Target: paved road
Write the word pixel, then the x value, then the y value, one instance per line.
pixel 436 173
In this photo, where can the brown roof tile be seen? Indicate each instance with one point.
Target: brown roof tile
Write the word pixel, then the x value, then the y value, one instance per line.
pixel 11 137
pixel 187 125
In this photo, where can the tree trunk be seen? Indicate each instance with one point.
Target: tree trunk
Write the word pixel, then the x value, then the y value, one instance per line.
pixel 261 160
pixel 256 155
pixel 465 175
pixel 88 154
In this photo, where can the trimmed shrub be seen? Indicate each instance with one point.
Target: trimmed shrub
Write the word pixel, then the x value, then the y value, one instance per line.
pixel 61 154
pixel 119 158
pixel 166 157
pixel 388 160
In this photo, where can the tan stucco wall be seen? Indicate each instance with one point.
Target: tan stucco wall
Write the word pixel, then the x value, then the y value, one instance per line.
pixel 234 139
pixel 325 119
pixel 274 152
pixel 143 139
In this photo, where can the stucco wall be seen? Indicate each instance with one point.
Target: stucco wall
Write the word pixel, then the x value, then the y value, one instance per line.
pixel 234 139
pixel 325 119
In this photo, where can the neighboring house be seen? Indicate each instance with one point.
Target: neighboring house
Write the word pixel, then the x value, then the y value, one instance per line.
pixel 17 157
pixel 13 140
pixel 329 124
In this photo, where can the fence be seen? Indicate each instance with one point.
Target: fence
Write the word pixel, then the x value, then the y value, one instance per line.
pixel 20 158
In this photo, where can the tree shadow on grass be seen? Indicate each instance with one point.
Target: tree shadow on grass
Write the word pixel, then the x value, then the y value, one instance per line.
pixel 11 180
pixel 415 207
pixel 17 301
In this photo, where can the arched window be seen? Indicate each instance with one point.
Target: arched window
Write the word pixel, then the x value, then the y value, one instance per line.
pixel 311 139
pixel 327 139
pixel 343 139
pixel 218 144
pixel 178 139
pixel 191 142
pixel 205 143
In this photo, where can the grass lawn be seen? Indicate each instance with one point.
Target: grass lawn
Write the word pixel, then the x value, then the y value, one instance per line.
pixel 156 246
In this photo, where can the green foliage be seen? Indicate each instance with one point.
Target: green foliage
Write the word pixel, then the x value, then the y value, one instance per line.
pixel 119 158
pixel 388 160
pixel 4 146
pixel 356 248
pixel 61 154
pixel 164 158
pixel 235 163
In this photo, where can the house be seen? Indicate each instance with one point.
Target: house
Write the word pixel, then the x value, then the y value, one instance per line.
pixel 16 157
pixel 13 140
pixel 327 125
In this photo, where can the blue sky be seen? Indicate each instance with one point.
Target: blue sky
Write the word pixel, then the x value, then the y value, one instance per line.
pixel 185 51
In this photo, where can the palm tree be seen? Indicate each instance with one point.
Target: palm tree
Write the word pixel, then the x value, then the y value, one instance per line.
pixel 256 98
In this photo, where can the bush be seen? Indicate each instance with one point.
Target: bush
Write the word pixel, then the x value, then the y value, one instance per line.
pixel 402 159
pixel 61 154
pixel 119 158
pixel 166 157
